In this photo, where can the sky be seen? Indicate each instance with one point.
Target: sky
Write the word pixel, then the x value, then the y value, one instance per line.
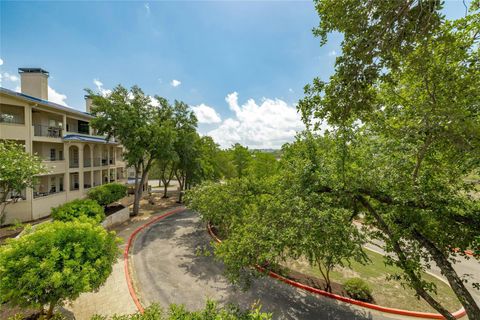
pixel 241 66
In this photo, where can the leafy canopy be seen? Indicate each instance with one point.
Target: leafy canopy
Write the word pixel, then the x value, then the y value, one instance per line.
pixel 57 261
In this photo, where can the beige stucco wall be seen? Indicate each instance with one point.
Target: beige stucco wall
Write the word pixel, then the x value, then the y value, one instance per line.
pixel 41 206
pixel 20 211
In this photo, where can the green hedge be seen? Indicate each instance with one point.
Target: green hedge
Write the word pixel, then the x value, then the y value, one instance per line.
pixel 358 289
pixel 179 312
pixel 108 193
pixel 79 209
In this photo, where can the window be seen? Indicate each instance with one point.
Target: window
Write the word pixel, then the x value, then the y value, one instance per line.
pixel 53 185
pixel 52 154
pixel 60 154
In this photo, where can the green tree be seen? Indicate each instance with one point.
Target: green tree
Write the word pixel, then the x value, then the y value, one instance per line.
pixel 209 161
pixel 167 159
pixel 56 262
pixel 403 111
pixel 267 220
pixel 241 158
pixel 186 145
pixel 129 116
pixel 262 165
pixel 17 172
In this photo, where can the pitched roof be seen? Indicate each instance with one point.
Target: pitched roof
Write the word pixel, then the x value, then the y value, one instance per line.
pixel 44 102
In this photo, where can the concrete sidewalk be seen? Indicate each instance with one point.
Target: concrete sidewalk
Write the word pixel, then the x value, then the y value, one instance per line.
pixel 113 297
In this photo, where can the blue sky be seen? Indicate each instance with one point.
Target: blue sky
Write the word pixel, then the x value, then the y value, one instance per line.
pixel 240 65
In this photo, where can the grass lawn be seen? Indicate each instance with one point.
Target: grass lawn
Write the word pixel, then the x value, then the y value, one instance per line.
pixel 387 293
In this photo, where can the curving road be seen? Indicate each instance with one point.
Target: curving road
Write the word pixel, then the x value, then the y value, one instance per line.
pixel 169 267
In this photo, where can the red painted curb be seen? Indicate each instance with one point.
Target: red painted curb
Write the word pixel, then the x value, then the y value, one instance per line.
pixel 127 249
pixel 425 315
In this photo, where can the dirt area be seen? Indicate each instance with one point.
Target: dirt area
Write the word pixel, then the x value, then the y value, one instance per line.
pixel 314 282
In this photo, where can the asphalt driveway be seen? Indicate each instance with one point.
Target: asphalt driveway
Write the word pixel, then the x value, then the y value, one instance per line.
pixel 169 267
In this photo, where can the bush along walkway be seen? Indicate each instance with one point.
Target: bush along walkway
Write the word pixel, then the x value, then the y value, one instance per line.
pixel 114 296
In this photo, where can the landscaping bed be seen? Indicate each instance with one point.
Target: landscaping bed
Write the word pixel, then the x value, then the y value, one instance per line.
pixel 113 209
pixel 387 293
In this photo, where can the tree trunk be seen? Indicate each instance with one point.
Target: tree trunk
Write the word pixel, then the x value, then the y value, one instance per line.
pixel 50 310
pixel 415 281
pixel 466 299
pixel 136 199
pixel 165 189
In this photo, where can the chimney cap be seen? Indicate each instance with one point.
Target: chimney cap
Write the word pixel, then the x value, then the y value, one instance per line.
pixel 33 70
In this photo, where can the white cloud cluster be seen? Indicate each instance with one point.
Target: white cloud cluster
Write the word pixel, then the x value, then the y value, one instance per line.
pixel 175 83
pixel 104 92
pixel 206 114
pixel 9 77
pixel 57 97
pixel 266 125
pixel 1 62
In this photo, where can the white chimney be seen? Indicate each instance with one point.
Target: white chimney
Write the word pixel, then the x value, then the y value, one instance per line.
pixel 34 82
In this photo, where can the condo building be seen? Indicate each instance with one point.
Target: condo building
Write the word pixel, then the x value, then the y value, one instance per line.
pixel 75 157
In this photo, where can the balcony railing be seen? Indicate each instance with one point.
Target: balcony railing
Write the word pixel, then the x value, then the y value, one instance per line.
pixel 87 163
pixel 47 131
pixel 9 118
pixel 75 186
pixel 56 158
pixel 87 186
pixel 74 164
pixel 97 162
pixel 38 194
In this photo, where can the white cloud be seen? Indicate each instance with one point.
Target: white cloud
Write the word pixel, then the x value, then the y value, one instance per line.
pixel 1 62
pixel 104 92
pixel 56 97
pixel 206 114
pixel 290 90
pixel 147 8
pixel 175 83
pixel 9 77
pixel 269 124
pixel 332 53
pixel 154 102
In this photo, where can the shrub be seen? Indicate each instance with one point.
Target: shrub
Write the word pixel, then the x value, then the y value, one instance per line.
pixel 56 262
pixel 108 193
pixel 177 312
pixel 79 209
pixel 358 289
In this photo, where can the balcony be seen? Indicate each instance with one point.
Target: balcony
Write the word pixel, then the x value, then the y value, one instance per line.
pixel 47 131
pixel 73 164
pixel 37 194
